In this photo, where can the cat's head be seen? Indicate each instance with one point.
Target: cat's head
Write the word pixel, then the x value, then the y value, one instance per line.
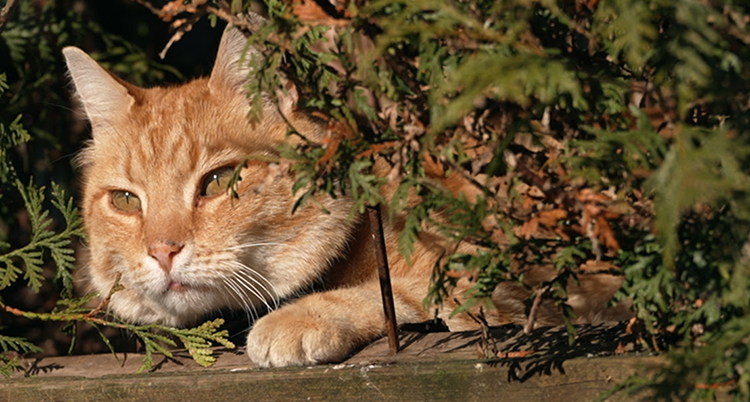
pixel 155 202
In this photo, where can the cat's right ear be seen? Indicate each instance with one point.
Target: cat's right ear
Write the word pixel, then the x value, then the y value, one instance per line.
pixel 105 99
pixel 232 65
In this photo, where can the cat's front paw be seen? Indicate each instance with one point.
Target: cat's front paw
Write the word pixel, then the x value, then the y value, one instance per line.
pixel 296 335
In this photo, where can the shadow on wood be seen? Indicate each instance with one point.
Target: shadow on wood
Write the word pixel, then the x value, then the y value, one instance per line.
pixel 431 366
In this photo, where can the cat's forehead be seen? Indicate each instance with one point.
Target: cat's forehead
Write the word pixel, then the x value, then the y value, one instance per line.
pixel 191 119
pixel 178 134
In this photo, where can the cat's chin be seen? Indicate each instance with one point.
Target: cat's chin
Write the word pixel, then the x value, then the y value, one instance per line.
pixel 180 305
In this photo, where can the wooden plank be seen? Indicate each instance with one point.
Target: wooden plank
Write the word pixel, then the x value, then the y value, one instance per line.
pixel 452 380
pixel 417 347
pixel 431 366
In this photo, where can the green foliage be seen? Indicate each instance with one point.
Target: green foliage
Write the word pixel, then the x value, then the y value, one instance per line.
pixel 198 341
pixel 611 131
pixel 701 167
pixel 156 338
pixel 42 239
pixel 9 363
pixel 11 135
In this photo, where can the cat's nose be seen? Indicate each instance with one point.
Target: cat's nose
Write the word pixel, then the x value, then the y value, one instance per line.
pixel 164 252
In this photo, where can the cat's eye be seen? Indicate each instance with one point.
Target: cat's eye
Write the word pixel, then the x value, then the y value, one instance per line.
pixel 125 201
pixel 217 181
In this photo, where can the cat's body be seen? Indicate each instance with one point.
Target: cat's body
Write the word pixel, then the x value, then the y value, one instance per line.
pixel 159 218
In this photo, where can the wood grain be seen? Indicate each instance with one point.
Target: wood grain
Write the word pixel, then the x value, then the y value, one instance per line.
pixel 439 366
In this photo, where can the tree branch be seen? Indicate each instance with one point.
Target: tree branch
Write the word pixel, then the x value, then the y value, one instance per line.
pixel 5 12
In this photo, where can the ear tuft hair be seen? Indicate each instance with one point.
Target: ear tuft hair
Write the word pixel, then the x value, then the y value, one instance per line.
pixel 105 98
pixel 232 65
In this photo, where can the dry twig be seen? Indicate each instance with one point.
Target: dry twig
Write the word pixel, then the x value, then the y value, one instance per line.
pixel 534 309
pixel 5 12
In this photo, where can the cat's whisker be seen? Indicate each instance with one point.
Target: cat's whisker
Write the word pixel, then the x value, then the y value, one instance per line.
pixel 238 295
pixel 258 278
pixel 250 285
pixel 250 245
pixel 272 293
pixel 83 274
pixel 238 276
pixel 227 292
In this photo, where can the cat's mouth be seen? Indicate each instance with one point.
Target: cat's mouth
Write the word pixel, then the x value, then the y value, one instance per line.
pixel 181 287
pixel 177 287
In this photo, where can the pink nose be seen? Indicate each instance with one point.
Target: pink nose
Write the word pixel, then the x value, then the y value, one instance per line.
pixel 164 252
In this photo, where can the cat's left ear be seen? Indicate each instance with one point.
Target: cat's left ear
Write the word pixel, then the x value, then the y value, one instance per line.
pixel 232 68
pixel 105 98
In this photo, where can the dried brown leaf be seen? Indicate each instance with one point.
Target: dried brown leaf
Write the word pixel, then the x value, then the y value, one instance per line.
pixel 311 13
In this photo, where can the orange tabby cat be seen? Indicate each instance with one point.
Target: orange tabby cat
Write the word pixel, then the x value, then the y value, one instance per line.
pixel 159 217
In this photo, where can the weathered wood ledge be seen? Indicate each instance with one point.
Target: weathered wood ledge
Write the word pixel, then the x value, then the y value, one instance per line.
pixel 431 366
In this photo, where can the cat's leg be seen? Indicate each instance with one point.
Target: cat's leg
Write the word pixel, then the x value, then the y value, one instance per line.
pixel 327 326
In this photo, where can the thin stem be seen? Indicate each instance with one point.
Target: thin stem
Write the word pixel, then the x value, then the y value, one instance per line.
pixel 115 287
pixel 63 317
pixel 534 309
pixel 376 232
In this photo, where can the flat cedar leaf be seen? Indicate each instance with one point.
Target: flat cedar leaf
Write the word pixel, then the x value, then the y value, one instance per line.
pixel 515 78
pixel 58 244
pixel 210 326
pixel 572 331
pixel 399 198
pixel 11 136
pixel 628 29
pixel 33 269
pixel 75 304
pixel 153 337
pixel 33 197
pixel 204 360
pixel 410 232
pixel 465 306
pixel 106 342
pixel 569 257
pixel 147 361
pixel 9 365
pixel 16 344
pixel 64 260
pixel 151 347
pixel 692 174
pixel 199 340
pixel 364 187
pixel 9 273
